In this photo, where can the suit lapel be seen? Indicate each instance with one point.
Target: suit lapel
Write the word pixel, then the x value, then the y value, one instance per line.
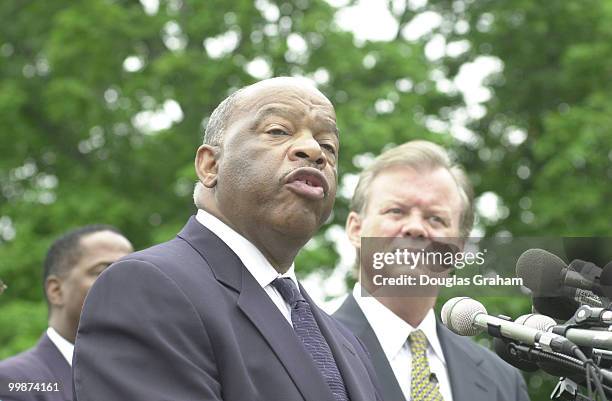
pixel 345 355
pixel 58 366
pixel 279 334
pixel 351 315
pixel 468 380
pixel 260 310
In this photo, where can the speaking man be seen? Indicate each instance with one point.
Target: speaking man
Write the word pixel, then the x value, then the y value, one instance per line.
pixel 217 313
pixel 71 266
pixel 413 191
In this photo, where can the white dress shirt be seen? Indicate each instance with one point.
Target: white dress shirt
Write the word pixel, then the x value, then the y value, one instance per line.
pixel 252 258
pixel 392 333
pixel 65 347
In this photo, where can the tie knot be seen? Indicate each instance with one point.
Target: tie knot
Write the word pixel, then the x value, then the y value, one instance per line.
pixel 288 290
pixel 418 341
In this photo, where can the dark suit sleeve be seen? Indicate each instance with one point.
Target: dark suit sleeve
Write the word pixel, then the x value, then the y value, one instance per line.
pixel 521 386
pixel 141 339
pixel 23 397
pixel 9 374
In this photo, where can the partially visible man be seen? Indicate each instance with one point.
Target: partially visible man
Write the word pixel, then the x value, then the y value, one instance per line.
pixel 217 313
pixel 413 191
pixel 71 266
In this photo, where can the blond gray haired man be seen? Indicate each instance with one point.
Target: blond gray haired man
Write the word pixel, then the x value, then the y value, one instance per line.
pixel 414 191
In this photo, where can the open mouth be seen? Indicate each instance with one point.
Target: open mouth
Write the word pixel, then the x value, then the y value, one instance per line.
pixel 307 182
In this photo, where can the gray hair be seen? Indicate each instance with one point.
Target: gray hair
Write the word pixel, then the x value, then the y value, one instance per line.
pixel 218 120
pixel 213 133
pixel 420 155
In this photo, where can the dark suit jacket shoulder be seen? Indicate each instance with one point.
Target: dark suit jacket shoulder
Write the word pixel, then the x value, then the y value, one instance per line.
pixel 41 364
pixel 475 373
pixel 185 320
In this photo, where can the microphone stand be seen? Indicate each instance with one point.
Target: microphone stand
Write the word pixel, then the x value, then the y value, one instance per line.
pixel 536 355
pixel 567 390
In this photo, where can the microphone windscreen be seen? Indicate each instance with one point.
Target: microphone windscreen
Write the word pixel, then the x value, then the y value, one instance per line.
pixel 458 315
pixel 536 321
pixel 540 271
pixel 605 280
pixel 561 308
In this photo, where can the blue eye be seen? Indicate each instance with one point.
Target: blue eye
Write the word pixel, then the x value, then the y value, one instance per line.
pixel 395 210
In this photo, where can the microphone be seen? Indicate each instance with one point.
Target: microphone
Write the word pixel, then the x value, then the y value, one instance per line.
pixel 587 315
pixel 548 276
pixel 581 337
pixel 605 280
pixel 531 359
pixel 546 273
pixel 536 321
pixel 561 308
pixel 468 317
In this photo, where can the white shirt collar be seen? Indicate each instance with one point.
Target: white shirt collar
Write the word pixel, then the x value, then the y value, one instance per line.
pixel 251 257
pixel 65 347
pixel 391 331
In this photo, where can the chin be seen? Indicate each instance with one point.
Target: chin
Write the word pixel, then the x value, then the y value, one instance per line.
pixel 299 225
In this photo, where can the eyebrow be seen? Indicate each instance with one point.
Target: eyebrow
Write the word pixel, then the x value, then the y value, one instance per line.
pixel 287 112
pixel 433 209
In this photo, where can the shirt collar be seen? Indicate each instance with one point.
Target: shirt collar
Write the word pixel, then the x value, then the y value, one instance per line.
pixel 392 332
pixel 251 257
pixel 65 347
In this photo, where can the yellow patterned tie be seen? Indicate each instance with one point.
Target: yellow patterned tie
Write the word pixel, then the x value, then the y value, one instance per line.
pixel 421 388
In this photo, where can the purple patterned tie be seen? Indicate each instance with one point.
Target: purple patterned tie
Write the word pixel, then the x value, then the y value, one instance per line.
pixel 308 332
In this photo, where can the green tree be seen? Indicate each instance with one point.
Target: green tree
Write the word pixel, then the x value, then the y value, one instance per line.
pixel 103 104
pixel 545 129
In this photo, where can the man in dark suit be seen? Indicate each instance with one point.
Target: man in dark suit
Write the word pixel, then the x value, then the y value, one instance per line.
pixel 72 264
pixel 414 192
pixel 216 313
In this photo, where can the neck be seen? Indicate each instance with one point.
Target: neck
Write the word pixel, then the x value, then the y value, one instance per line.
pixel 268 241
pixel 410 310
pixel 62 328
pixel 279 249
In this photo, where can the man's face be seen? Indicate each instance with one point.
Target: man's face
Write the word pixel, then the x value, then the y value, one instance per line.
pixel 278 161
pixel 404 202
pixel 98 251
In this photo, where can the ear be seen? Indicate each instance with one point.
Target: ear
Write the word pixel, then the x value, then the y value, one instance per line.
pixel 207 164
pixel 353 229
pixel 53 289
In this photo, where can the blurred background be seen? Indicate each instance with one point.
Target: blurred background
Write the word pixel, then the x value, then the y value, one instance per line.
pixel 103 103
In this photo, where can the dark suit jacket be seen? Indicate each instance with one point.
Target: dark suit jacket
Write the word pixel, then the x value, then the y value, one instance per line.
pixel 186 321
pixel 475 373
pixel 41 364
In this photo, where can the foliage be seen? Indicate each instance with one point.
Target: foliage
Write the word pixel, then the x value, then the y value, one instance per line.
pixel 554 91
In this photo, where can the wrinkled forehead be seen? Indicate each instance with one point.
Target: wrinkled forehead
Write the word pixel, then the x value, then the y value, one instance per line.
pixel 434 187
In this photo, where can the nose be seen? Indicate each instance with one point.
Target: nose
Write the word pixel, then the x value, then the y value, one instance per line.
pixel 307 148
pixel 414 227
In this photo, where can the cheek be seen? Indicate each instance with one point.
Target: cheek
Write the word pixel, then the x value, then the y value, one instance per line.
pixel 83 288
pixel 255 169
